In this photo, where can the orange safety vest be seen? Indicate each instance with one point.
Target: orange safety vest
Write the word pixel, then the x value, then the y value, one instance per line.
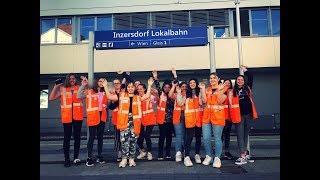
pixel 226 107
pixel 213 112
pixel 114 113
pixel 71 106
pixel 161 108
pixel 235 114
pixel 92 105
pixel 177 110
pixel 148 117
pixel 124 105
pixel 193 112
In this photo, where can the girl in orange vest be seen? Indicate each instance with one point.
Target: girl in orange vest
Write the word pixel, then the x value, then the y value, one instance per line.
pixel 178 117
pixel 148 120
pixel 71 115
pixel 129 119
pixel 193 119
pixel 227 128
pixel 96 103
pixel 242 111
pixel 213 118
pixel 164 115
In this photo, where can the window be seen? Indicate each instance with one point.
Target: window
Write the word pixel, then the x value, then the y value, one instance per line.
pixel 44 96
pixel 161 20
pixel 86 25
pixel 132 21
pixel 259 20
pixel 104 23
pixel 219 32
pixel 180 19
pixel 64 31
pixel 244 23
pixel 275 18
pixel 219 19
pixel 48 31
pixel 199 18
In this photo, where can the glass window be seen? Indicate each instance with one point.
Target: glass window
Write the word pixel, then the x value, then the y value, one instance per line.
pixel 244 23
pixel 259 20
pixel 48 31
pixel 199 18
pixel 44 98
pixel 140 21
pixel 104 23
pixel 219 32
pixel 122 21
pixel 275 15
pixel 160 20
pixel 86 25
pixel 218 18
pixel 64 30
pixel 180 19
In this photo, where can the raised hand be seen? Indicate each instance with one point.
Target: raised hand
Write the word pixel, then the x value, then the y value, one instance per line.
pixel 155 74
pixel 221 86
pixel 244 68
pixel 174 72
pixel 150 81
pixel 84 80
pixel 104 82
pixel 202 85
pixel 178 89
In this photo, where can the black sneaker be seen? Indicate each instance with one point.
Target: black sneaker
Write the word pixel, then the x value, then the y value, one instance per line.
pixel 160 158
pixel 67 163
pixel 76 161
pixel 100 160
pixel 228 155
pixel 168 157
pixel 89 162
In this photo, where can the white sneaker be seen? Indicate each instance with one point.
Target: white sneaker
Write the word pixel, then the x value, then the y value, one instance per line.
pixel 141 155
pixel 197 159
pixel 131 162
pixel 178 156
pixel 241 160
pixel 123 163
pixel 187 161
pixel 207 160
pixel 216 162
pixel 149 156
pixel 248 158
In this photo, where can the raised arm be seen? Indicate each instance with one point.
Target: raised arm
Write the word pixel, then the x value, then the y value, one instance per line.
pixel 202 87
pixel 249 76
pixel 171 92
pixel 112 97
pixel 148 94
pixel 55 92
pixel 84 83
pixel 155 77
pixel 221 96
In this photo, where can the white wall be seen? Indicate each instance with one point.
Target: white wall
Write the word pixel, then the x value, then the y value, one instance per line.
pixel 82 7
pixel 257 52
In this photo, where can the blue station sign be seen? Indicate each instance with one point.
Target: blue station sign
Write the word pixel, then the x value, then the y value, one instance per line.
pixel 151 38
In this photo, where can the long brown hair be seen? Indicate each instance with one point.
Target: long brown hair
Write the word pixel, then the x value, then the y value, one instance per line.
pixel 66 81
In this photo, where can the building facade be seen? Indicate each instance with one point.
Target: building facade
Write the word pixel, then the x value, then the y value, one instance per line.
pixel 65 27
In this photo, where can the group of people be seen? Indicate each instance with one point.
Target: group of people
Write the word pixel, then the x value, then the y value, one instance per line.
pixel 189 109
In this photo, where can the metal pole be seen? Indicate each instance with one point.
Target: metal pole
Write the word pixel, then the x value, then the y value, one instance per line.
pixel 237 2
pixel 90 64
pixel 212 53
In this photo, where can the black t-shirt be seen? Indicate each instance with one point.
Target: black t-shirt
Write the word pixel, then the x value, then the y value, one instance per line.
pixel 244 102
pixel 130 107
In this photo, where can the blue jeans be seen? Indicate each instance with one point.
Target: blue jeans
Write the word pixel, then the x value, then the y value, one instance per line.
pixel 207 133
pixel 180 133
